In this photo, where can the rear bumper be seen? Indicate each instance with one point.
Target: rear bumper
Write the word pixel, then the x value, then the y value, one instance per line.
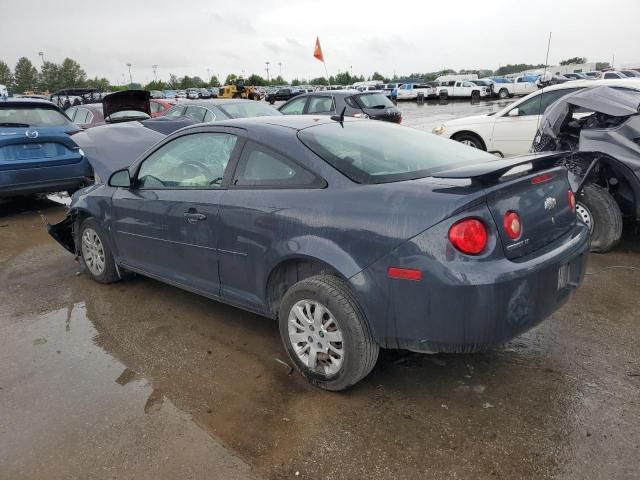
pixel 28 181
pixel 465 307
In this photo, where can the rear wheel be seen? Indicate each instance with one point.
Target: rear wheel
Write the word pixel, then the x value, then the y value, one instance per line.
pixel 470 140
pixel 325 334
pixel 599 210
pixel 95 253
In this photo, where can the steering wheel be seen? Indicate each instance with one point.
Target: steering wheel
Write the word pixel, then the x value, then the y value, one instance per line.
pixel 200 168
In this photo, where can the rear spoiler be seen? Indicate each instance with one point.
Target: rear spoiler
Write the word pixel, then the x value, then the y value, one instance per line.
pixel 489 173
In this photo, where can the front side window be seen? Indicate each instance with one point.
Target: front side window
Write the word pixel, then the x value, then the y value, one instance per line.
pixel 261 166
pixel 538 104
pixel 295 107
pixel 376 152
pixel 198 161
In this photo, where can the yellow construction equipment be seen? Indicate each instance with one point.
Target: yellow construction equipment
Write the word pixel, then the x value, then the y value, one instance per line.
pixel 239 90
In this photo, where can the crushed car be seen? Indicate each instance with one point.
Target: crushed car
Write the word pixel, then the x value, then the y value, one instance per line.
pixel 352 234
pixel 602 126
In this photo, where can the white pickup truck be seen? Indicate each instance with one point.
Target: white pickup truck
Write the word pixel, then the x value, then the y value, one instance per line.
pixel 410 91
pixel 462 89
pixel 504 87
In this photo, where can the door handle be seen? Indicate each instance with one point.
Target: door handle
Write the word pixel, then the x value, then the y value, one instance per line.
pixel 194 217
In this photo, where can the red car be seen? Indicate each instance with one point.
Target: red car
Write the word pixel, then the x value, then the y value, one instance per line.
pixel 159 106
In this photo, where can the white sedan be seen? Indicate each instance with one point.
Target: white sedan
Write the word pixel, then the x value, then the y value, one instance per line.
pixel 510 131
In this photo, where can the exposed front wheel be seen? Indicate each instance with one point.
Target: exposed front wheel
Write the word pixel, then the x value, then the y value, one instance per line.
pixel 600 212
pixel 325 334
pixel 470 140
pixel 503 93
pixel 95 253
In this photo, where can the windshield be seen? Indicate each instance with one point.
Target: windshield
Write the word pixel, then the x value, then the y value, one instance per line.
pixel 376 152
pixel 248 109
pixel 31 116
pixel 376 100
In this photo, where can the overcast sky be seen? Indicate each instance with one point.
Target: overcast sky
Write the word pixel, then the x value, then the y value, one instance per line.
pixel 189 37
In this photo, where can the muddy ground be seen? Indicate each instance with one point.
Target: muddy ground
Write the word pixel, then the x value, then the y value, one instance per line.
pixel 142 380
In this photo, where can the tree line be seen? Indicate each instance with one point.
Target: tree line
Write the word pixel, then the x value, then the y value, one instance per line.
pixel 52 76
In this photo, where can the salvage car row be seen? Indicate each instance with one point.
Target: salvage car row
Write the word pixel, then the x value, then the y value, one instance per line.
pixel 352 234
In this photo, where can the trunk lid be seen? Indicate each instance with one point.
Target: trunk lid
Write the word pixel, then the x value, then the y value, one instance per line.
pixel 534 188
pixel 542 202
pixel 127 100
pixel 35 147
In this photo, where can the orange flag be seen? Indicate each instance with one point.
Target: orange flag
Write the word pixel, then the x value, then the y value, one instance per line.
pixel 317 52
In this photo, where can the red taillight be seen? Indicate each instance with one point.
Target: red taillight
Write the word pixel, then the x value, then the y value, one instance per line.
pixel 572 201
pixel 545 177
pixel 512 225
pixel 469 236
pixel 405 273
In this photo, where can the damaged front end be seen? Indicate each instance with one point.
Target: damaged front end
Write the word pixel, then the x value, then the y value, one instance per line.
pixel 63 232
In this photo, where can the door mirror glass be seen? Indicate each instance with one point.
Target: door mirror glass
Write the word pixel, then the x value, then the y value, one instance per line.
pixel 514 113
pixel 120 178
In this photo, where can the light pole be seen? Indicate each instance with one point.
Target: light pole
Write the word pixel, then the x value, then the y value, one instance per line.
pixel 280 68
pixel 155 73
pixel 41 56
pixel 130 76
pixel 267 64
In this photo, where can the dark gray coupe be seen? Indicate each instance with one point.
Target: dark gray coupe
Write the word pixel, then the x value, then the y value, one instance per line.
pixel 353 234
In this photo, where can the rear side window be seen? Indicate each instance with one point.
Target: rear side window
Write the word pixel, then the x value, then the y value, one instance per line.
pixel 32 116
pixel 260 166
pixel 247 109
pixel 376 100
pixel 377 152
pixel 175 111
pixel 320 105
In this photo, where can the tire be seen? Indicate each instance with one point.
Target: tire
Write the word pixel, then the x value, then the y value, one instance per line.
pixel 503 93
pixel 340 363
pixel 597 208
pixel 272 101
pixel 475 96
pixel 471 140
pixel 444 95
pixel 87 234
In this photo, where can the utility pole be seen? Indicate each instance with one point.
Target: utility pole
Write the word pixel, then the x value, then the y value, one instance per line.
pixel 613 60
pixel 280 68
pixel 155 75
pixel 130 76
pixel 41 56
pixel 267 64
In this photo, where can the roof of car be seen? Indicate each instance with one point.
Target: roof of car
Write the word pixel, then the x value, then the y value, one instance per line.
pixel 214 102
pixel 611 82
pixel 27 101
pixel 295 122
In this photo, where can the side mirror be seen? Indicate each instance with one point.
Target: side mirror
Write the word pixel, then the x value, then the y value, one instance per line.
pixel 514 113
pixel 120 178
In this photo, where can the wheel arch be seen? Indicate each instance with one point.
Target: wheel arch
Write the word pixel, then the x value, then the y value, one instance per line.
pixel 290 271
pixel 460 133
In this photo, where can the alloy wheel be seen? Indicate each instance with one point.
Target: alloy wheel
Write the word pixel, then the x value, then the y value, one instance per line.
pixel 93 252
pixel 316 337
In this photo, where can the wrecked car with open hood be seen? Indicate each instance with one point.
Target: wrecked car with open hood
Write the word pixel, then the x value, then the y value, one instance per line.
pixel 602 126
pixel 352 234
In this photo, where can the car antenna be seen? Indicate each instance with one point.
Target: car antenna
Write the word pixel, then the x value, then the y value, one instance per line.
pixel 546 64
pixel 340 118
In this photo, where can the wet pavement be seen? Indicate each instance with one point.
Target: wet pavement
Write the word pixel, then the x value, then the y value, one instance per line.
pixel 142 380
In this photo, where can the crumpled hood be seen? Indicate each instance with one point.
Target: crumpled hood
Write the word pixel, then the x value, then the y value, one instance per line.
pixel 113 147
pixel 137 100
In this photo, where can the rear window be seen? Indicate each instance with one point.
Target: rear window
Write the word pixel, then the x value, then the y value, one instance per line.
pixel 378 152
pixel 32 115
pixel 248 109
pixel 376 100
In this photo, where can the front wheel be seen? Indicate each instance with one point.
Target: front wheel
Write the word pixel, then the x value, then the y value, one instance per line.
pixel 272 101
pixel 469 140
pixel 503 93
pixel 599 210
pixel 325 333
pixel 95 253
